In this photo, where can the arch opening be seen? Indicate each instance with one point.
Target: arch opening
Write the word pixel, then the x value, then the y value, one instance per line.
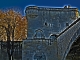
pixel 74 53
pixel 39 56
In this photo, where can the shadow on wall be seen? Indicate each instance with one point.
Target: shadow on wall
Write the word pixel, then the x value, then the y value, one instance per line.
pixel 74 53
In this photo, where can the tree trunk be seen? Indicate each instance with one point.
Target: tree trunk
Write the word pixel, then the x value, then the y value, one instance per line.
pixel 9 57
pixel 8 42
pixel 8 37
pixel 13 39
pixel 10 54
pixel 1 44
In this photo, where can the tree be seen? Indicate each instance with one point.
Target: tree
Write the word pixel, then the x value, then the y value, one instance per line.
pixel 21 28
pixel 13 26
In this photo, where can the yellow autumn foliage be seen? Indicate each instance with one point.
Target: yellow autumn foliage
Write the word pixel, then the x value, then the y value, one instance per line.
pixel 12 21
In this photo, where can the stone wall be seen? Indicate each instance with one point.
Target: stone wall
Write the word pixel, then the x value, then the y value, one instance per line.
pixel 39 49
pixel 50 20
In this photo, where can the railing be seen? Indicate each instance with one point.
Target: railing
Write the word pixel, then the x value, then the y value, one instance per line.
pixel 49 41
pixel 3 44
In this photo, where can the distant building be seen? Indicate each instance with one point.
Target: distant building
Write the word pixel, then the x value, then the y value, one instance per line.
pixel 50 20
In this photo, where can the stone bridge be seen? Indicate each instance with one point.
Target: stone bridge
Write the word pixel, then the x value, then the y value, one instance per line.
pixel 45 41
pixel 60 46
pixel 66 38
pixel 56 48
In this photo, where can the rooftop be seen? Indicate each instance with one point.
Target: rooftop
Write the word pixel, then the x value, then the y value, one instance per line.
pixel 52 8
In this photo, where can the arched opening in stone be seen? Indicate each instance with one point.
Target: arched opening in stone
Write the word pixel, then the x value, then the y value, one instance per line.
pixel 74 53
pixel 39 34
pixel 39 56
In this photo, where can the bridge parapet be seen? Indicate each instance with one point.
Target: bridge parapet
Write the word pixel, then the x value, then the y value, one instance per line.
pixel 64 40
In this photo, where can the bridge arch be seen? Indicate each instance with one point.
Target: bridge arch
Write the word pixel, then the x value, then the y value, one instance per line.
pixel 74 53
pixel 74 38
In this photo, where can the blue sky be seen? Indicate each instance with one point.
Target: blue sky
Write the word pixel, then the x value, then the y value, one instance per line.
pixel 22 3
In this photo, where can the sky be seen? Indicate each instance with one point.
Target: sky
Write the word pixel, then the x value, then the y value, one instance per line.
pixel 21 4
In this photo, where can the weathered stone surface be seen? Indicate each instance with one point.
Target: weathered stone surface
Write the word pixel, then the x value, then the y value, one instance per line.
pixel 42 23
pixel 38 49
